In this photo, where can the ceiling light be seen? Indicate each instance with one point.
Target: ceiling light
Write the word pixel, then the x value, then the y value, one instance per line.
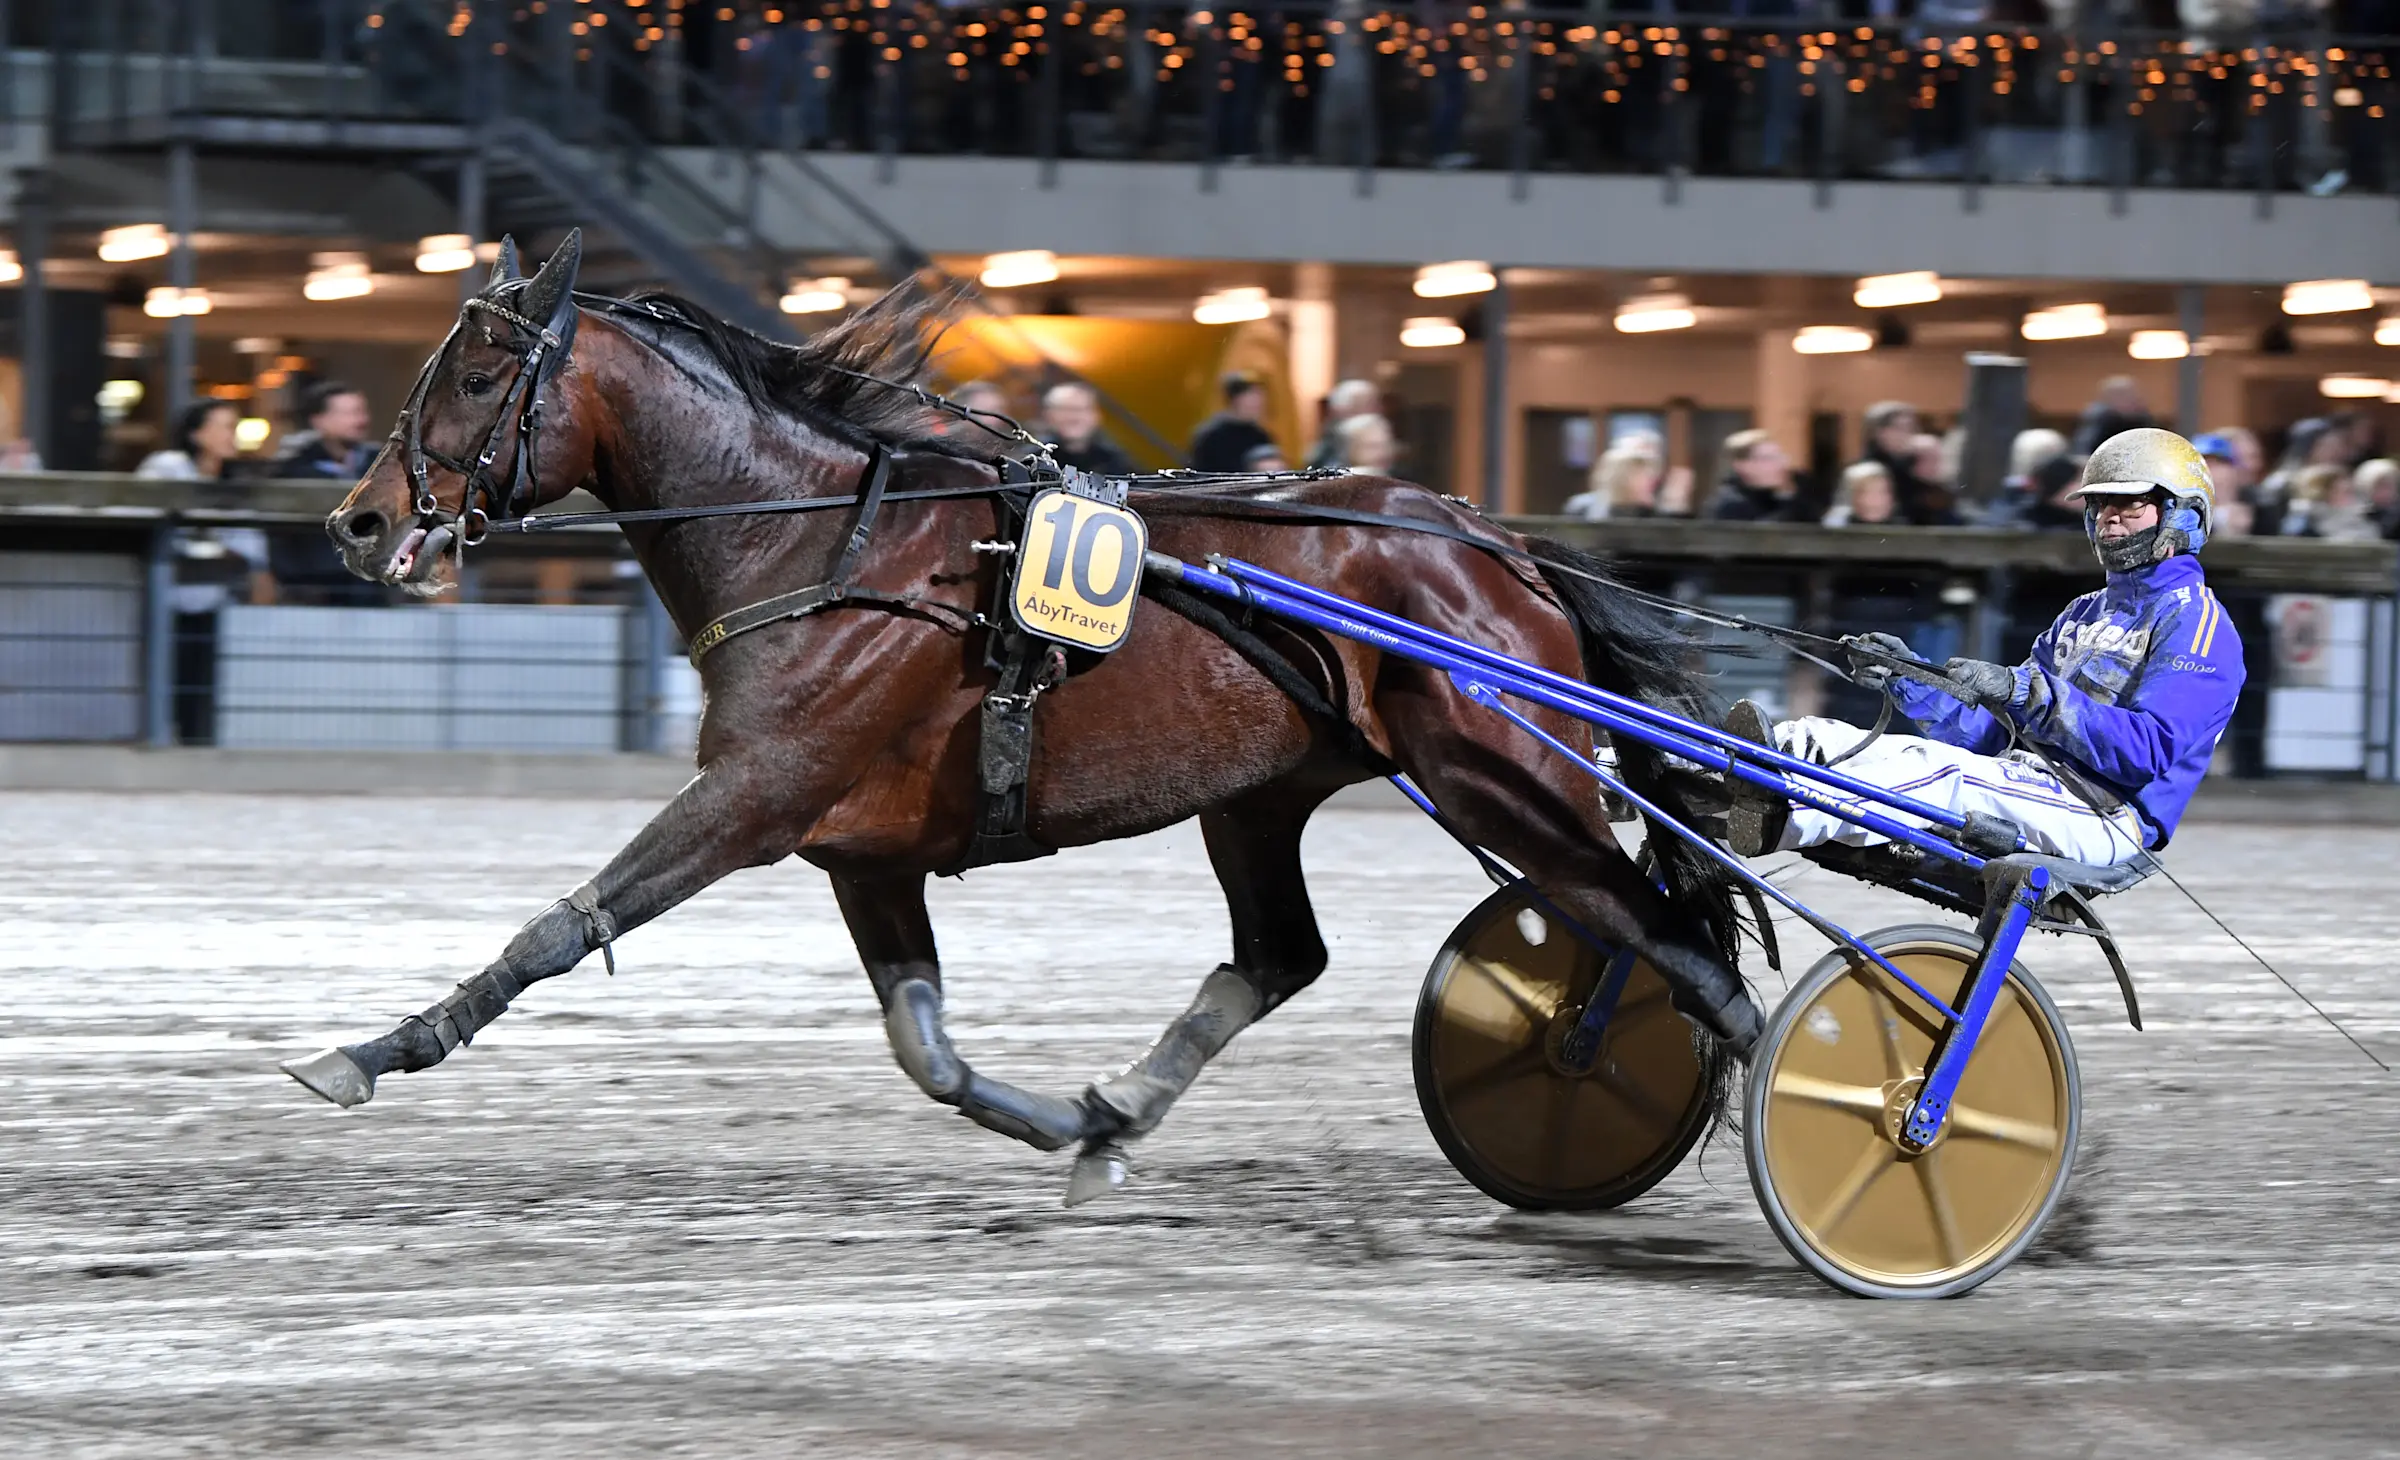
pixel 1015 270
pixel 134 241
pixel 1649 313
pixel 2327 296
pixel 445 253
pixel 166 302
pixel 2387 331
pixel 1887 291
pixel 2353 387
pixel 1833 339
pixel 1233 306
pixel 1448 281
pixel 816 296
pixel 2159 345
pixel 2065 322
pixel 251 432
pixel 11 270
pixel 338 276
pixel 119 396
pixel 1431 333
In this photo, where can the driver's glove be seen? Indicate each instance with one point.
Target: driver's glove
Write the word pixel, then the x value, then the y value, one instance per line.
pixel 1981 682
pixel 1869 674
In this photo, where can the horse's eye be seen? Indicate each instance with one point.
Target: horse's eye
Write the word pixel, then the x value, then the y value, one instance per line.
pixel 476 383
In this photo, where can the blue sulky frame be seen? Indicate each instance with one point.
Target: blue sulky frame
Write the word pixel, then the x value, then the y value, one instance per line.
pixel 1492 680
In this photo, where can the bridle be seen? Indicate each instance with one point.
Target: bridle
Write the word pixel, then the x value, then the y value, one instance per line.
pixel 541 351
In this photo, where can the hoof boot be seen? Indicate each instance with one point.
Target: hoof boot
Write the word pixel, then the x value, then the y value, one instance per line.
pixel 1101 1168
pixel 334 1075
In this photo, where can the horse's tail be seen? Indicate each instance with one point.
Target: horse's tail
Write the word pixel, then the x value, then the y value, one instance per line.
pixel 1632 649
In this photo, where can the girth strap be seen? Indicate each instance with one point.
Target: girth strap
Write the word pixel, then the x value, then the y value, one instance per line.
pixel 834 593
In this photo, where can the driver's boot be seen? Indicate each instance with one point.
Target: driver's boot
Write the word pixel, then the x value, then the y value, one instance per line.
pixel 1756 816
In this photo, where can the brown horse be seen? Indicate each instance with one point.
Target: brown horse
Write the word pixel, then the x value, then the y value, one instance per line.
pixel 850 737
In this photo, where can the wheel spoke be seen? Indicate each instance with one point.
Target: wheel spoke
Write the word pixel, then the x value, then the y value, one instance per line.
pixel 1514 1065
pixel 1513 986
pixel 1887 1024
pixel 1640 1101
pixel 2031 1134
pixel 1864 1100
pixel 1937 1199
pixel 1559 1125
pixel 1872 1162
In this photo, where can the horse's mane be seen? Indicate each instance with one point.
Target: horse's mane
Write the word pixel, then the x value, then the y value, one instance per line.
pixel 892 339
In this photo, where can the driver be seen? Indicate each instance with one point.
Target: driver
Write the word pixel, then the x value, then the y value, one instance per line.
pixel 2092 746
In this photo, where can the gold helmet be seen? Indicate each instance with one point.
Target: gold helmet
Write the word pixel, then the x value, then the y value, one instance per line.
pixel 2136 463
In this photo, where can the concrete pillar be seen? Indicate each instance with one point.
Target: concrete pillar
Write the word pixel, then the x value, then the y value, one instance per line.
pixel 183 220
pixel 1314 342
pixel 2191 303
pixel 33 312
pixel 1497 418
pixel 1779 394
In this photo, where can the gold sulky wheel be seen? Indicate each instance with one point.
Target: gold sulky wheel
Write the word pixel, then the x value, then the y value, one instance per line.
pixel 1831 1084
pixel 1526 1125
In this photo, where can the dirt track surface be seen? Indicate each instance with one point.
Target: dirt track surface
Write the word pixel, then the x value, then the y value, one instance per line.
pixel 698 1211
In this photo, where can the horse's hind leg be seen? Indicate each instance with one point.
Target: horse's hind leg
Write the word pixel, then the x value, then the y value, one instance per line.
pixel 887 919
pixel 1254 845
pixel 724 820
pixel 1506 792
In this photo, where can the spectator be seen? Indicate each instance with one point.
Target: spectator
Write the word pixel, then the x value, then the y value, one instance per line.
pixel 2324 503
pixel 1349 398
pixel 16 452
pixel 1071 415
pixel 1934 462
pixel 2378 484
pixel 2314 441
pixel 1892 431
pixel 1624 482
pixel 1867 498
pixel 1759 485
pixel 2040 474
pixel 210 562
pixel 1368 446
pixel 331 448
pixel 1675 492
pixel 333 445
pixel 1227 439
pixel 2234 516
pixel 2119 408
pixel 1266 460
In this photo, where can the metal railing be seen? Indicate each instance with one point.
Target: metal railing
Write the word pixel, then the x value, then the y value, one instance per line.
pixel 112 629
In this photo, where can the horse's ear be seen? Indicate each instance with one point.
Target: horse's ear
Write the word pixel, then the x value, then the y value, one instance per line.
pixel 506 266
pixel 556 282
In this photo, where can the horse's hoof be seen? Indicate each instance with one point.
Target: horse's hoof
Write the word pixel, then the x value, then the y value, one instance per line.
pixel 1101 1169
pixel 334 1075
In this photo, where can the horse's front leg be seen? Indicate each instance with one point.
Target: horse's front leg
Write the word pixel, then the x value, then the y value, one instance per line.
pixel 894 933
pixel 732 815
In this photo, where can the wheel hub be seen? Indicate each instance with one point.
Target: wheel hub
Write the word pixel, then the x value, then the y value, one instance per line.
pixel 1899 1100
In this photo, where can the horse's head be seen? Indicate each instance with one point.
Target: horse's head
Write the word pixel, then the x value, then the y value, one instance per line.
pixel 490 431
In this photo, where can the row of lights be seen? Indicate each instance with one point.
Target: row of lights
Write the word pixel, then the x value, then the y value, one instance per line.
pixel 331 276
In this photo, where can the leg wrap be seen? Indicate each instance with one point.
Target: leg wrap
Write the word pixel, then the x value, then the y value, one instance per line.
pixel 1228 1003
pixel 913 1022
pixel 1707 990
pixel 551 944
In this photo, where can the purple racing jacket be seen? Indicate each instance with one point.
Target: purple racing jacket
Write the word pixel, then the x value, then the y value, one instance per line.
pixel 2130 688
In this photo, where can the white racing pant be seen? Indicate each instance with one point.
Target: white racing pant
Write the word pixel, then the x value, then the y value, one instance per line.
pixel 2055 820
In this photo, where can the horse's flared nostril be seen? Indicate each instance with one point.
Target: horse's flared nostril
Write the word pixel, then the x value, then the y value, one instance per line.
pixel 360 527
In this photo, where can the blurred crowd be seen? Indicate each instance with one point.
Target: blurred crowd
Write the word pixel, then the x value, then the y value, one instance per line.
pixel 2330 480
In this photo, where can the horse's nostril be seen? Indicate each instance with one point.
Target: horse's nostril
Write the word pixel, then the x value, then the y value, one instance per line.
pixel 363 526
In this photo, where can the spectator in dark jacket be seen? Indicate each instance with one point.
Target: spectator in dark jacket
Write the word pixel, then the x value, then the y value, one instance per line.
pixel 1759 484
pixel 2119 408
pixel 334 444
pixel 1347 399
pixel 2040 474
pixel 1071 414
pixel 331 449
pixel 1892 430
pixel 1226 441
